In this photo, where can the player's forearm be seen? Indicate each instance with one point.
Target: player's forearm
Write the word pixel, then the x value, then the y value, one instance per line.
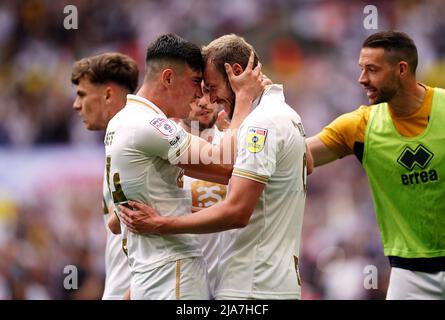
pixel 114 224
pixel 243 106
pixel 309 160
pixel 321 154
pixel 227 147
pixel 201 152
pixel 220 175
pixel 205 161
pixel 219 217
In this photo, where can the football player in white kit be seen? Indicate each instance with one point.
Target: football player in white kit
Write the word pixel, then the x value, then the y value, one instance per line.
pixel 202 122
pixel 265 203
pixel 102 84
pixel 144 150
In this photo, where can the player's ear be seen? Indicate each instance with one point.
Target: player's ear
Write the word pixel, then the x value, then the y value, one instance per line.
pixel 237 69
pixel 167 76
pixel 108 94
pixel 403 68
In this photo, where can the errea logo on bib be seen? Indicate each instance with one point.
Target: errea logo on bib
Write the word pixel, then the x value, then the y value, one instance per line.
pixel 256 138
pixel 164 126
pixel 419 157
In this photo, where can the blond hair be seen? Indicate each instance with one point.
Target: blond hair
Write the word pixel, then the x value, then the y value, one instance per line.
pixel 229 49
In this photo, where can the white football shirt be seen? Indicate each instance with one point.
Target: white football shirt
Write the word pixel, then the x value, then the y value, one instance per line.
pixel 117 271
pixel 260 260
pixel 140 145
pixel 205 194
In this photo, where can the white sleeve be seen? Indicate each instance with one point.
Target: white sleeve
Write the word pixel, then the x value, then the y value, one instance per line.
pixel 163 138
pixel 257 151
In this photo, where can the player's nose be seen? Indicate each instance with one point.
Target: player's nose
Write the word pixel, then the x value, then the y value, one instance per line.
pixel 202 102
pixel 77 105
pixel 363 79
pixel 198 93
pixel 213 98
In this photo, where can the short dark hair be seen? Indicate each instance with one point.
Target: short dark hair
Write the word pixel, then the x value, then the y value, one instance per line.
pixel 398 45
pixel 230 49
pixel 173 47
pixel 107 67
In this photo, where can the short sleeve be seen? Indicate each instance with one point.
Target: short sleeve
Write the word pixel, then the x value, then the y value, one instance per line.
pixel 256 152
pixel 163 138
pixel 349 128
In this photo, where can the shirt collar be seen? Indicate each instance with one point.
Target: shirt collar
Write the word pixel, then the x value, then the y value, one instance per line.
pixel 272 88
pixel 138 100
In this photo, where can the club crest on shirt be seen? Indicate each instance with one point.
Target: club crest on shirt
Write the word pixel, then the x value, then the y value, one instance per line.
pixel 256 138
pixel 165 126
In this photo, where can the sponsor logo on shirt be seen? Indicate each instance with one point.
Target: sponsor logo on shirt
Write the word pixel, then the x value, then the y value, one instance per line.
pixel 109 138
pixel 420 158
pixel 165 126
pixel 205 194
pixel 178 138
pixel 256 138
pixel 300 128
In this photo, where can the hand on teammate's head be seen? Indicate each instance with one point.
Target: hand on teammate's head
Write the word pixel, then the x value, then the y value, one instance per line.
pixel 248 81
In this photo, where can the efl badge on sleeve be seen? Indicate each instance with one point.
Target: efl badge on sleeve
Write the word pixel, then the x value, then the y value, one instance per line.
pixel 256 138
pixel 165 126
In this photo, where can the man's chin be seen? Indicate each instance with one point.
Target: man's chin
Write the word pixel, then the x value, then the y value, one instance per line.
pixel 374 100
pixel 377 100
pixel 383 96
pixel 94 128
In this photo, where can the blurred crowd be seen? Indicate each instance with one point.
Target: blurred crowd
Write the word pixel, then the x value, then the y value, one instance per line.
pixel 51 218
pixel 311 46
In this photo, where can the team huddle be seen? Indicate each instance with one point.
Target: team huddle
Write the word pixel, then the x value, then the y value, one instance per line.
pixel 206 169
